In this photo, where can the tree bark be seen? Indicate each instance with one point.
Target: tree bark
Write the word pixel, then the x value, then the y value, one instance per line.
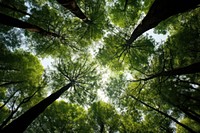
pixel 10 21
pixel 101 127
pixel 191 69
pixel 74 8
pixel 10 83
pixel 164 114
pixel 13 9
pixel 20 124
pixel 159 11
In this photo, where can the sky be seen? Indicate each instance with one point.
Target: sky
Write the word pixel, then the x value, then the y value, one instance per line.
pixel 157 37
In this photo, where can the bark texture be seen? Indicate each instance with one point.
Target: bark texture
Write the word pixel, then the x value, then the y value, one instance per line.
pixel 190 69
pixel 159 11
pixel 20 124
pixel 74 8
pixel 10 21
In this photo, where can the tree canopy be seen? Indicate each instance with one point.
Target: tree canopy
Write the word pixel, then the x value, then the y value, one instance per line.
pixel 108 72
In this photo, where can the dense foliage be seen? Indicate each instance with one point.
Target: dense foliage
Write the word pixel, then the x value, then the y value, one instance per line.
pixel 107 74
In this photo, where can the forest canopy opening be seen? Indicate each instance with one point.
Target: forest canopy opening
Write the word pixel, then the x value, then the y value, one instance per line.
pixel 100 47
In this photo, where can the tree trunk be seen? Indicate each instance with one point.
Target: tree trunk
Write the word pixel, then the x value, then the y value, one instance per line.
pixel 13 9
pixel 10 21
pixel 20 124
pixel 159 11
pixel 74 8
pixel 191 69
pixel 165 114
pixel 10 83
pixel 102 127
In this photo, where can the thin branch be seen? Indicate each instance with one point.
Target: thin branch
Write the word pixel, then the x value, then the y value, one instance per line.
pixel 9 99
pixel 10 83
pixel 125 5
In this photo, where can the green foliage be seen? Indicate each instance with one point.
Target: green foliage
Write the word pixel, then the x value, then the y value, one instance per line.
pixel 103 117
pixel 61 117
pixel 129 11
pixel 121 56
pixel 15 5
pixel 20 66
pixel 194 125
pixel 82 73
pixel 111 23
pixel 20 77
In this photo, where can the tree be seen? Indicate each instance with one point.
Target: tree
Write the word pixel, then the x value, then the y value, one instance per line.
pixel 73 7
pixel 72 117
pixel 159 11
pixel 103 117
pixel 21 78
pixel 74 78
pixel 10 21
pixel 191 69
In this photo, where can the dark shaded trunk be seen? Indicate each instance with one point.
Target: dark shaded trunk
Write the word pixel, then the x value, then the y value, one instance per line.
pixel 74 8
pixel 101 127
pixel 191 69
pixel 10 21
pixel 13 9
pixel 159 11
pixel 164 114
pixel 20 124
pixel 125 5
pixel 10 83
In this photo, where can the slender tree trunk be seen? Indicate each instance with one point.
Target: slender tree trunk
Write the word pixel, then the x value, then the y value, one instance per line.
pixel 10 83
pixel 164 114
pixel 8 99
pixel 191 69
pixel 20 124
pixel 10 21
pixel 159 11
pixel 74 8
pixel 101 127
pixel 13 9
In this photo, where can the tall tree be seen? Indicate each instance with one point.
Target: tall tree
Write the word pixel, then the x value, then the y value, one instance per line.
pixel 158 12
pixel 191 69
pixel 74 8
pixel 21 123
pixel 167 72
pixel 61 117
pixel 77 76
pixel 10 21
